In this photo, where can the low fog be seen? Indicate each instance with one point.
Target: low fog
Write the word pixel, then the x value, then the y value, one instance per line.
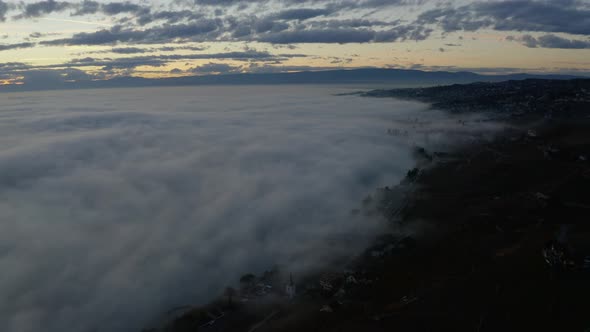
pixel 117 205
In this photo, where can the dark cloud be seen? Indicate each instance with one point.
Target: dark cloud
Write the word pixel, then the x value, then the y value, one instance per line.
pixel 550 41
pixel 184 48
pixel 160 60
pixel 350 23
pixel 403 32
pixel 87 7
pixel 250 29
pixel 215 68
pixel 129 50
pixel 564 16
pixel 119 63
pixel 16 46
pixel 347 35
pixel 221 2
pixel 548 16
pixel 170 17
pixel 381 3
pixel 138 50
pixel 567 16
pixel 320 36
pixel 125 66
pixel 40 8
pixel 126 35
pixel 247 27
pixel 267 68
pixel 338 4
pixel 8 67
pixel 4 8
pixel 295 21
pixel 301 14
pixel 36 78
pixel 115 8
pixel 450 19
pixel 290 25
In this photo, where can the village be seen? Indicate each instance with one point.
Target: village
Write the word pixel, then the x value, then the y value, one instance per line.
pixel 504 99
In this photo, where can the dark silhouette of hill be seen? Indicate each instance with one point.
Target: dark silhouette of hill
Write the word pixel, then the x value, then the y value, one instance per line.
pixel 352 76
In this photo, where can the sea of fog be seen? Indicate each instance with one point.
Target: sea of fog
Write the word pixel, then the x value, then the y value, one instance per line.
pixel 117 205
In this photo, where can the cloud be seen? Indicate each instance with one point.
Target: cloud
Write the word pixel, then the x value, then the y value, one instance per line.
pixel 44 78
pixel 191 25
pixel 320 36
pixel 40 8
pixel 119 63
pixel 141 50
pixel 346 35
pixel 13 66
pixel 266 68
pixel 87 7
pixel 6 47
pixel 119 205
pixel 549 16
pixel 285 22
pixel 152 35
pixel 215 68
pixel 4 8
pixel 115 8
pixel 36 35
pixel 129 50
pixel 270 29
pixel 158 60
pixel 301 13
pixel 184 48
pixel 551 41
pixel 170 17
pixel 564 16
pixel 143 28
pixel 125 66
pixel 351 23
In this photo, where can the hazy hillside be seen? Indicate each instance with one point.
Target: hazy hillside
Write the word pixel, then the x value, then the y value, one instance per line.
pixel 354 76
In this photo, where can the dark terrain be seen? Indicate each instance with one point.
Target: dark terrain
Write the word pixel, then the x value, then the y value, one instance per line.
pixel 513 98
pixel 504 233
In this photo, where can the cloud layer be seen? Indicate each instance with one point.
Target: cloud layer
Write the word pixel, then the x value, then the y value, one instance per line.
pixel 189 27
pixel 118 205
pixel 311 21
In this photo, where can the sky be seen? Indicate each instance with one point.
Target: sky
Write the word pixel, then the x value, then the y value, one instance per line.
pixel 90 40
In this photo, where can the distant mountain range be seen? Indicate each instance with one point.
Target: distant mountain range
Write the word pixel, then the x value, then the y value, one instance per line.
pixel 352 76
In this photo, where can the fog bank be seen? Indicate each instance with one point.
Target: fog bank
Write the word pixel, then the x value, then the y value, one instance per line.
pixel 117 205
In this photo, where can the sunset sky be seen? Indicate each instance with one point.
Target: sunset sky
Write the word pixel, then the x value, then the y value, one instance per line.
pixel 81 40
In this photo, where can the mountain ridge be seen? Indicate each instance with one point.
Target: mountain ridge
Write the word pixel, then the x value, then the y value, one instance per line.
pixel 340 76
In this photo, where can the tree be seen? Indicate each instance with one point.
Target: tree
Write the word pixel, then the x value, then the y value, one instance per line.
pixel 247 278
pixel 230 292
pixel 247 281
